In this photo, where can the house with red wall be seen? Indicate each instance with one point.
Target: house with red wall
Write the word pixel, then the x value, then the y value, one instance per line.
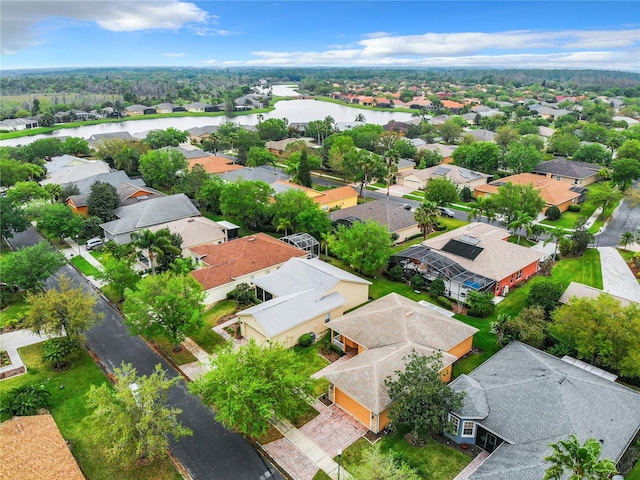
pixel 475 257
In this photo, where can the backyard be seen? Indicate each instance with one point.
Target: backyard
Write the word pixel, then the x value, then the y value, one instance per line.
pixel 69 409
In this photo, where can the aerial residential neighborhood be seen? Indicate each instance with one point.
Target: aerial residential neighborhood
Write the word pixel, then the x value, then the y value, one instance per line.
pixel 228 269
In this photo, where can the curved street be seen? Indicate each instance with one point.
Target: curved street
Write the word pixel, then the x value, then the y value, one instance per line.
pixel 212 452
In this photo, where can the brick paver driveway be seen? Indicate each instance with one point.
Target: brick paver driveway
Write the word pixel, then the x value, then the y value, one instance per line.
pixel 333 429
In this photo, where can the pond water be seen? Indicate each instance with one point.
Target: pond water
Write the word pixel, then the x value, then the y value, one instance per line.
pixel 293 110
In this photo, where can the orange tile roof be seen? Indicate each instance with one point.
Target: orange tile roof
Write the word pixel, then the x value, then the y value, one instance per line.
pixel 236 258
pixel 552 191
pixel 309 191
pixel 33 448
pixel 214 164
pixel 451 104
pixel 335 194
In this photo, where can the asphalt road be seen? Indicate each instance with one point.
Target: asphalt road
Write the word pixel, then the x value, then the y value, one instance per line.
pixel 624 219
pixel 212 453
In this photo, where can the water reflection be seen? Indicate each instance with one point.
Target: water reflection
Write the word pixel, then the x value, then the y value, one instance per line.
pixel 292 110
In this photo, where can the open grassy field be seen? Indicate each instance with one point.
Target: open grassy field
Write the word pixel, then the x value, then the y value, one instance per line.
pixel 69 409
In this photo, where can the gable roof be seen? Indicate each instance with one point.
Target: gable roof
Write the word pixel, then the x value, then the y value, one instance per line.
pixel 394 319
pixel 243 256
pixel 458 175
pixel 193 230
pixel 535 399
pixel 263 174
pixel 112 178
pixel 580 290
pixel 127 190
pixel 481 134
pixel 552 191
pixel 151 212
pixel 498 258
pixel 567 168
pixel 388 213
pixel 33 447
pixel 69 169
pixel 214 164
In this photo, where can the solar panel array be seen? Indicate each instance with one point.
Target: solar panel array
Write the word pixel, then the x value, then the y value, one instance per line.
pixel 462 249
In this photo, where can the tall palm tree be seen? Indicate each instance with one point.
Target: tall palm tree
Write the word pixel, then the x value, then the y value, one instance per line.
pixel 156 244
pixel 582 462
pixel 555 234
pixel 521 220
pixel 391 159
pixel 360 118
pixel 426 215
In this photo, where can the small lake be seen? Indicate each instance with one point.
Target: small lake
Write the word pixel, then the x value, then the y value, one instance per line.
pixel 293 110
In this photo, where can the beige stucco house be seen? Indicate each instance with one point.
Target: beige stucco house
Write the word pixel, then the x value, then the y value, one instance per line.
pixel 298 298
pixel 382 334
pixel 462 177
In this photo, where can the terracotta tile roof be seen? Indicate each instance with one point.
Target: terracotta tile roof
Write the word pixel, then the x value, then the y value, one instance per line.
pixel 451 104
pixel 335 194
pixel 33 448
pixel 214 164
pixel 236 258
pixel 553 192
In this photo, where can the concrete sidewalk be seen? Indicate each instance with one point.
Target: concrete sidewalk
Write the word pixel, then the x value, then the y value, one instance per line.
pixel 74 250
pixel 12 341
pixel 617 279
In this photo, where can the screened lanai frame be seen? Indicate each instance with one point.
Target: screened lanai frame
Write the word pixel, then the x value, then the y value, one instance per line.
pixel 305 242
pixel 445 267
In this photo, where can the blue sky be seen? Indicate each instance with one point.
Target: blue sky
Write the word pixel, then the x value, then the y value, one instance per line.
pixel 95 33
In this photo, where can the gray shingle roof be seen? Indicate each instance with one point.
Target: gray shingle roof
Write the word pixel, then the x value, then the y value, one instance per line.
pixel 112 178
pixel 567 168
pixel 388 213
pixel 263 174
pixel 535 399
pixel 151 212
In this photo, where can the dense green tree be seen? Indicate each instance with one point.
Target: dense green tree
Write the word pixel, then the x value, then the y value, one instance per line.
pixel 23 192
pixel 160 167
pixel 450 131
pixel 247 201
pixel 420 398
pixel 162 247
pixel 505 135
pixel 303 175
pixel 167 305
pixel 426 215
pixel 44 147
pixel 592 153
pixel 545 294
pixel 522 157
pixel 251 384
pixel 103 199
pixel 63 310
pixel 272 129
pixel 76 146
pixel 535 140
pixel 210 193
pixel 47 120
pixel 601 331
pixel 314 221
pixel 605 197
pixel 29 267
pixel 362 166
pixel 529 326
pixel 428 158
pixel 165 138
pixel 14 171
pixel 298 167
pixel 12 219
pixel 629 149
pixel 341 146
pixel 592 132
pixel 288 205
pixel 246 139
pixel 258 156
pixel 120 276
pixel 190 182
pixel 581 462
pixel 365 246
pixel 365 136
pixel 514 200
pixel 134 419
pixel 479 156
pixel 563 144
pixel 57 351
pixel 441 191
pixel 60 220
pixel 624 172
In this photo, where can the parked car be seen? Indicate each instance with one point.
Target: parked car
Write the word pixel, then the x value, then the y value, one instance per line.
pixel 94 243
pixel 445 212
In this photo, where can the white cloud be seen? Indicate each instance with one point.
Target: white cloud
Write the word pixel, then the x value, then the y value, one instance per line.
pixel 174 55
pixel 377 35
pixel 598 49
pixel 210 62
pixel 205 31
pixel 21 20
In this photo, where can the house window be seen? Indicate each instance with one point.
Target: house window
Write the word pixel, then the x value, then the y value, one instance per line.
pixel 519 276
pixel 511 281
pixel 468 428
pixel 455 422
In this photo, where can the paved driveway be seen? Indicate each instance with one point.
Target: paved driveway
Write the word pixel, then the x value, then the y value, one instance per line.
pixel 624 219
pixel 212 452
pixel 617 279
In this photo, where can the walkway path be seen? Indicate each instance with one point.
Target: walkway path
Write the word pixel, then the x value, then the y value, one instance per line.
pixel 617 278
pixel 75 249
pixel 473 466
pixel 12 341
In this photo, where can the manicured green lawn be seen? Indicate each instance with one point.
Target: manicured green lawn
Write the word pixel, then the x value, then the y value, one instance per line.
pixel 84 266
pixel 634 474
pixel 312 361
pixel 181 357
pixel 434 461
pixel 522 241
pixel 320 475
pixel 70 411
pixel 206 338
pixel 16 310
